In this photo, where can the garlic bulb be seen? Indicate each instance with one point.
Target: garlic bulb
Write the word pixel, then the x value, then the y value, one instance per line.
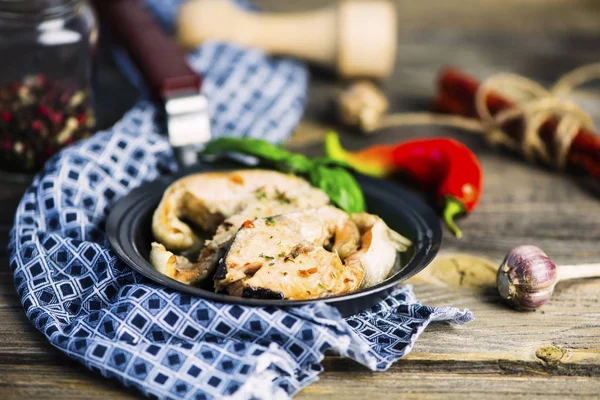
pixel 526 277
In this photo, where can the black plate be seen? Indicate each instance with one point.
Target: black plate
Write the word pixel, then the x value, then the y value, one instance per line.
pixel 130 234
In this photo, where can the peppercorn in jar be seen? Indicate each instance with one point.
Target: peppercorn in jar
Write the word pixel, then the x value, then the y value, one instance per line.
pixel 47 49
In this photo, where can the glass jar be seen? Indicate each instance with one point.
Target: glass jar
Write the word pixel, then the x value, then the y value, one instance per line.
pixel 47 51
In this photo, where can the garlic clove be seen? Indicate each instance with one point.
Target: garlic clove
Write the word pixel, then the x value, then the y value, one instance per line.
pixel 526 277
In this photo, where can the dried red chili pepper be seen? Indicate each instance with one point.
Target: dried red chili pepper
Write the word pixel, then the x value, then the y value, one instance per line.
pixel 440 165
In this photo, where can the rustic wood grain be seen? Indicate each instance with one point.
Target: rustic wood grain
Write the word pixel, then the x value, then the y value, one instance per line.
pixel 552 353
pixel 562 335
pixel 512 16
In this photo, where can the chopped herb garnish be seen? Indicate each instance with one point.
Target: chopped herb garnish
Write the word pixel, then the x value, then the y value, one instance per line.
pixel 271 237
pixel 271 264
pixel 321 286
pixel 282 254
pixel 260 193
pixel 282 197
pixel 270 221
pixel 267 257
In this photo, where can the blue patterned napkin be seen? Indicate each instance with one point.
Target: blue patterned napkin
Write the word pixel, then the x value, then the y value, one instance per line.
pixel 166 344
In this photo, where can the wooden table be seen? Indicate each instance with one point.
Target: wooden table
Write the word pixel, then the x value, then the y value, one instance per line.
pixel 554 352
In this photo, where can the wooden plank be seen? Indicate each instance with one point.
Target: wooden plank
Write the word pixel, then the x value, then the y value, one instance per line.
pixel 508 16
pixel 464 385
pixel 58 381
pixel 559 339
pixel 552 353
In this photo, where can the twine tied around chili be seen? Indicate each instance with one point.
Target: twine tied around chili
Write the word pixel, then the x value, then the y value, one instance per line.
pixel 363 105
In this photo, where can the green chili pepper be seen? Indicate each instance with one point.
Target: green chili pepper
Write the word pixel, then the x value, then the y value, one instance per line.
pixel 328 174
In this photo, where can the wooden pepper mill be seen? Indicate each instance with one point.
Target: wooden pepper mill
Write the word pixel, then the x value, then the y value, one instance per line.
pixel 356 38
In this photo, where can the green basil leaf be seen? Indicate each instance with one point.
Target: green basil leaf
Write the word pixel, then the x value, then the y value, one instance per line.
pixel 253 147
pixel 331 162
pixel 261 149
pixel 341 187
